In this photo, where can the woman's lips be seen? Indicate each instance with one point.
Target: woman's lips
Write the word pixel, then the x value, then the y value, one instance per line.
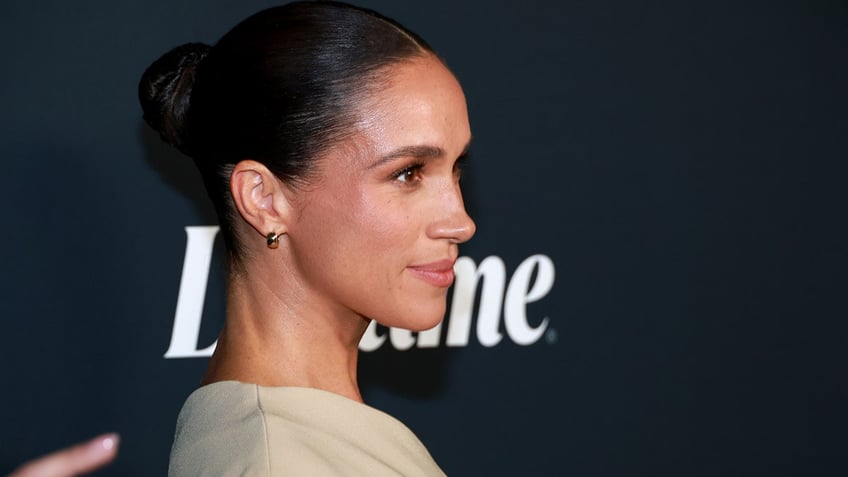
pixel 439 274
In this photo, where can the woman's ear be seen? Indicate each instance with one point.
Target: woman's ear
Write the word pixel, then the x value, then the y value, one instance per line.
pixel 260 198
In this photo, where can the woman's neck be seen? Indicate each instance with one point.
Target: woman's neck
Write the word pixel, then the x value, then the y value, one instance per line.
pixel 275 337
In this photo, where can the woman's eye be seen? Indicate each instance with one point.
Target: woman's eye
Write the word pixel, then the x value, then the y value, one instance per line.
pixel 457 170
pixel 409 174
pixel 459 165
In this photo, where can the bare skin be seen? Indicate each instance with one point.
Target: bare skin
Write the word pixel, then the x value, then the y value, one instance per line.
pixel 374 236
pixel 75 460
pixel 291 351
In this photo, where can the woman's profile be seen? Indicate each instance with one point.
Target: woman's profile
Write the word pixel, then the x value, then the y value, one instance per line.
pixel 329 139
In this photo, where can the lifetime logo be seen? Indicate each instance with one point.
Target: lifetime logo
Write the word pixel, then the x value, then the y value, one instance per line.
pixel 532 280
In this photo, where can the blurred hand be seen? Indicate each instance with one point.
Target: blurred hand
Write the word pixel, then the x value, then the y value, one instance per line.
pixel 75 460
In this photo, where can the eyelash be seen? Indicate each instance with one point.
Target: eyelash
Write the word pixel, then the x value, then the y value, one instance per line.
pixel 402 175
pixel 415 168
pixel 459 165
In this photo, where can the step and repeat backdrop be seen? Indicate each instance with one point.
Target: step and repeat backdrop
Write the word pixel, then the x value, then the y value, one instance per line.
pixel 657 286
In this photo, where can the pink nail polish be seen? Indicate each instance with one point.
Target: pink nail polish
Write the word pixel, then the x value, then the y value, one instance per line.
pixel 109 441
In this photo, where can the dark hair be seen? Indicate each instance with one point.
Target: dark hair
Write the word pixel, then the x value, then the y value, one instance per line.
pixel 280 88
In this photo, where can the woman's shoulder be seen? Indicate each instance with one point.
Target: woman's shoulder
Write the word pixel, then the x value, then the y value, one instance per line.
pixel 232 428
pixel 315 432
pixel 220 431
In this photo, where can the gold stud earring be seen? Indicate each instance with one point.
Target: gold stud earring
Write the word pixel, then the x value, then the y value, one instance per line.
pixel 273 240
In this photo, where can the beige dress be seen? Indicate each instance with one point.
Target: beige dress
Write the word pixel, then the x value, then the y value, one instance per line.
pixel 237 429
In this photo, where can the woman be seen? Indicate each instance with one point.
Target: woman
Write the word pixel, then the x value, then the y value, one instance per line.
pixel 329 139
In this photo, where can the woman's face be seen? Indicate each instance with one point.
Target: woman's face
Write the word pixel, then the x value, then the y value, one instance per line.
pixel 377 233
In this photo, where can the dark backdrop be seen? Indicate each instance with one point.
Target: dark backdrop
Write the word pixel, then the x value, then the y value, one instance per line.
pixel 682 166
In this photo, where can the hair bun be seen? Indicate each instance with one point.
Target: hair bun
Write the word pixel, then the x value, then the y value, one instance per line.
pixel 165 92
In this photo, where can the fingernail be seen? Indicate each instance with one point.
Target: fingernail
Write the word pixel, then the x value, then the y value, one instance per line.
pixel 109 441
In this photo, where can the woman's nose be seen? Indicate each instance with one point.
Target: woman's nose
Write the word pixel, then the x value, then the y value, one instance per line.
pixel 453 222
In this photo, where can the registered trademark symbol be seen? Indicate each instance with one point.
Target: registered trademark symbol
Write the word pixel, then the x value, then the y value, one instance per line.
pixel 551 336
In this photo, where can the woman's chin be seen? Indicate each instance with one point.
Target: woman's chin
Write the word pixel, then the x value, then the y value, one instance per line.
pixel 420 320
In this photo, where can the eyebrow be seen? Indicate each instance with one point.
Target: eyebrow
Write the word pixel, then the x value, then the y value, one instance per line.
pixel 418 152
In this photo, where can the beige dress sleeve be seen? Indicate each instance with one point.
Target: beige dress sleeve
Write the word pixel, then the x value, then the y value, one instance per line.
pixel 238 429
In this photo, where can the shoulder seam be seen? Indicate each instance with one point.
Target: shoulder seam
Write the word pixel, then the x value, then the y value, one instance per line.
pixel 264 429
